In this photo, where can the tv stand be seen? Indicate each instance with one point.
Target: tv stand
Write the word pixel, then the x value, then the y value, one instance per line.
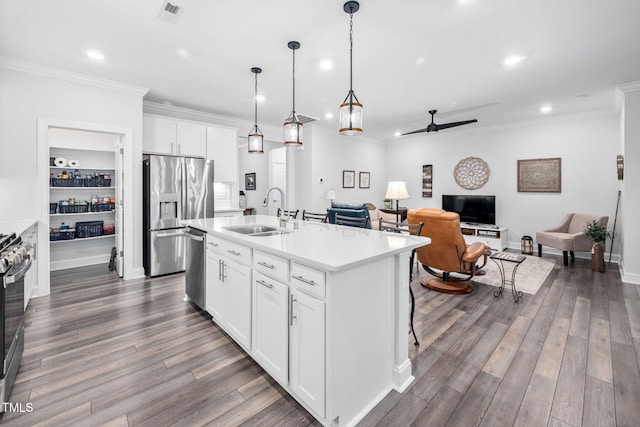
pixel 491 235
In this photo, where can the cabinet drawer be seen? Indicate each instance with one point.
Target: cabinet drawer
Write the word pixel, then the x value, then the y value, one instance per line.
pixel 309 279
pixel 235 252
pixel 271 265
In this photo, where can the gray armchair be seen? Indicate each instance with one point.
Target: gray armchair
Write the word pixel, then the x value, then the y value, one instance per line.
pixel 569 235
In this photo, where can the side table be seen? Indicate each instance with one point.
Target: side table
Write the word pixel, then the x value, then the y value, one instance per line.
pixel 402 213
pixel 499 258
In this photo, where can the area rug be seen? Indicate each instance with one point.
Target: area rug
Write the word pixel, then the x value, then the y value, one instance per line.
pixel 530 275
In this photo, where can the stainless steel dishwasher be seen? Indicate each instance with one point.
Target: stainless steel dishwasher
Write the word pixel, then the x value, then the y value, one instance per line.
pixel 195 266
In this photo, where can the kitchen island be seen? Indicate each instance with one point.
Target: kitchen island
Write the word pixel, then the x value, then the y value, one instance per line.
pixel 324 309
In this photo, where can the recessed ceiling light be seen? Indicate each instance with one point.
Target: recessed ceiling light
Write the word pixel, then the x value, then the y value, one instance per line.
pixel 328 116
pixel 421 60
pixel 513 60
pixel 260 98
pixel 182 52
pixel 95 55
pixel 397 133
pixel 546 109
pixel 326 64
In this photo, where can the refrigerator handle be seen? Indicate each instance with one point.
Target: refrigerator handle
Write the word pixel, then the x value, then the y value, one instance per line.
pixel 183 185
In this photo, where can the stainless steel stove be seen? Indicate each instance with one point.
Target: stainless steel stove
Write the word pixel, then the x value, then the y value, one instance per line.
pixel 15 261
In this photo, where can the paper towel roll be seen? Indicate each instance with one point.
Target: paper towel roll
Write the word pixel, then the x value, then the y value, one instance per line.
pixel 61 162
pixel 73 163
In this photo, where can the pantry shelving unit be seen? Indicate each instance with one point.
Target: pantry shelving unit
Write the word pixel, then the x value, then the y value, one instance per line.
pixel 95 154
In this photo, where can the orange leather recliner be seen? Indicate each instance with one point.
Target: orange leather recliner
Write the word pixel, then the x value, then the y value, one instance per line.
pixel 448 252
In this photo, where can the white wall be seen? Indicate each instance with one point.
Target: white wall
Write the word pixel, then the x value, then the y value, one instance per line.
pixel 326 154
pixel 259 164
pixel 630 208
pixel 587 147
pixel 27 96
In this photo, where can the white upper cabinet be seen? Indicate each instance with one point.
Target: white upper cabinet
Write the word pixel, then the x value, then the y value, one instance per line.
pixel 168 136
pixel 222 148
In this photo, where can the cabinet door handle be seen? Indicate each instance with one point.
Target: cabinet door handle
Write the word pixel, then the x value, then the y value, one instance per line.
pixel 232 252
pixel 212 244
pixel 220 270
pixel 171 147
pixel 264 264
pixel 178 148
pixel 307 281
pixel 291 316
pixel 224 273
pixel 263 283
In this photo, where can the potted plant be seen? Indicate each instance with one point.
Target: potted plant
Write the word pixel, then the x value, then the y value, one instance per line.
pixel 599 234
pixel 387 203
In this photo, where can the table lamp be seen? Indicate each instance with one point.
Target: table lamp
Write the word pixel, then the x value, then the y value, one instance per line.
pixel 397 190
pixel 331 196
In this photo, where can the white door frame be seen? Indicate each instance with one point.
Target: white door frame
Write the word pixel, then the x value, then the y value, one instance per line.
pixel 42 153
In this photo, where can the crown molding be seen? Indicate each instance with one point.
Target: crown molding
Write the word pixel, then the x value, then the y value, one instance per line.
pixel 629 87
pixel 70 76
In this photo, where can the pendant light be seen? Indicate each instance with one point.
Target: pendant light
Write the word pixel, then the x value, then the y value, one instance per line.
pixel 292 126
pixel 255 136
pixel 351 109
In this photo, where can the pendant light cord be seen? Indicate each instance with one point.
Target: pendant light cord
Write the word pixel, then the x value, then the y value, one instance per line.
pixel 351 59
pixel 255 114
pixel 294 83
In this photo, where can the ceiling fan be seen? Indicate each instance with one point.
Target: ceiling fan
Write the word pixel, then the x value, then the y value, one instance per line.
pixel 433 127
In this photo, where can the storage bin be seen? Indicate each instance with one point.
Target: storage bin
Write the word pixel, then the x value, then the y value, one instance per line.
pixel 97 182
pixel 67 182
pixel 55 234
pixel 80 208
pixel 53 208
pixel 102 207
pixel 89 229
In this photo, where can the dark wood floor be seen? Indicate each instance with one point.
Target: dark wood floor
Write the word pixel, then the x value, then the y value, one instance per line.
pixel 100 351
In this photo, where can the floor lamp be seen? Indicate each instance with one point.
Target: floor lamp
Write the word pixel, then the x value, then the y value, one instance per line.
pixel 397 190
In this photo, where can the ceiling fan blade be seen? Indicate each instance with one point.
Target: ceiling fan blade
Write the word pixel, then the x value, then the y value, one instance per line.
pixel 454 124
pixel 415 131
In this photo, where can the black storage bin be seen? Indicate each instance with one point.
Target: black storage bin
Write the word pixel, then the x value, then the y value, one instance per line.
pixel 102 207
pixel 55 234
pixel 53 208
pixel 79 208
pixel 89 229
pixel 67 182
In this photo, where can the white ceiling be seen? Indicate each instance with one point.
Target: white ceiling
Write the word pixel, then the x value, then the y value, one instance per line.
pixel 409 56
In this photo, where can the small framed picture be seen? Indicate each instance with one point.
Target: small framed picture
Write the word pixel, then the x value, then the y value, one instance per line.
pixel 250 181
pixel 364 180
pixel 348 179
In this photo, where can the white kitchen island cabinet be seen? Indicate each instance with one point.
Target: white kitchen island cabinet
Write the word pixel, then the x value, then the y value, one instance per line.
pixel 329 309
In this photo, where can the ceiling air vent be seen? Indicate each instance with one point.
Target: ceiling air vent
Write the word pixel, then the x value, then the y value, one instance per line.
pixel 306 119
pixel 170 11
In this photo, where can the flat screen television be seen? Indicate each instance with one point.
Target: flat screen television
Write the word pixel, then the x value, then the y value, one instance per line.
pixel 472 209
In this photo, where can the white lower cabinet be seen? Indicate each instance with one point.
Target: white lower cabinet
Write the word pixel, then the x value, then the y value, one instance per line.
pixel 307 350
pixel 270 337
pixel 228 296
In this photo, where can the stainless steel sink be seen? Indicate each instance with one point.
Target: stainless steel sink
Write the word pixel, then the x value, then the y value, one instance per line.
pixel 256 230
pixel 270 233
pixel 250 229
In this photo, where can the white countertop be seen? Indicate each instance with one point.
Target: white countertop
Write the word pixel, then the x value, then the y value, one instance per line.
pixel 326 246
pixel 17 226
pixel 228 210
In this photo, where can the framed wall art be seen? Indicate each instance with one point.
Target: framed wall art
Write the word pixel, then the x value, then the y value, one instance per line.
pixel 540 175
pixel 363 180
pixel 427 176
pixel 348 179
pixel 250 181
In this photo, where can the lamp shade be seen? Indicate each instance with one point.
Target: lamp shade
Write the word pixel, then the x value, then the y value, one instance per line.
pixel 331 194
pixel 397 190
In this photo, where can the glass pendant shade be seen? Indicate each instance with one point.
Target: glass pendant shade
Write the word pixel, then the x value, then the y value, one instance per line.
pixel 350 118
pixel 292 130
pixel 255 138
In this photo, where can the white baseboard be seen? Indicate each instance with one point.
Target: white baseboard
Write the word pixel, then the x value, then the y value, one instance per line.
pixel 138 273
pixel 79 262
pixel 615 258
pixel 629 277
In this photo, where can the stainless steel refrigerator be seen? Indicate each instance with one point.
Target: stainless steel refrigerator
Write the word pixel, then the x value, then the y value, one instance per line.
pixel 175 188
